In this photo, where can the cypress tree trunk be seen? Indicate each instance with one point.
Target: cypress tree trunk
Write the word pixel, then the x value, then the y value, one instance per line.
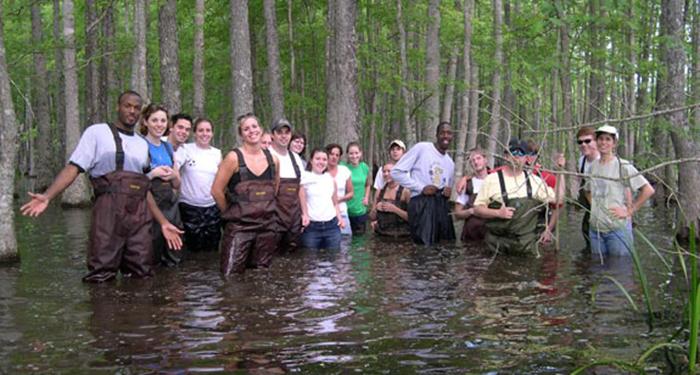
pixel 78 193
pixel 432 71
pixel 8 159
pixel 473 132
pixel 139 72
pixel 169 60
pixel 242 72
pixel 44 170
pixel 462 133
pixel 273 61
pixel 446 112
pixel 92 74
pixel 496 81
pixel 409 127
pixel 198 65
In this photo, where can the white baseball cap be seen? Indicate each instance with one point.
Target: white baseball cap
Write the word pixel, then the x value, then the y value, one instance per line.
pixel 608 129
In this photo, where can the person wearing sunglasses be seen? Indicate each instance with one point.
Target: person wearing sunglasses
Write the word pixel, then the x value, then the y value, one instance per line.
pixel 511 201
pixel 585 138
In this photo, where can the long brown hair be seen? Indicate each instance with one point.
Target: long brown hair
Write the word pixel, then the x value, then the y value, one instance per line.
pixel 147 112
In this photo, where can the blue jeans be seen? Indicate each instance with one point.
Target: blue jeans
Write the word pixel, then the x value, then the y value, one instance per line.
pixel 321 235
pixel 614 243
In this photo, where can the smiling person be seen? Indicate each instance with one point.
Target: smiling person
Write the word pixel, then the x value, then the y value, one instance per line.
pixel 396 150
pixel 473 229
pixel 297 145
pixel 265 140
pixel 361 183
pixel 612 206
pixel 288 207
pixel 428 171
pixel 389 215
pixel 165 180
pixel 585 138
pixel 343 182
pixel 115 157
pixel 319 205
pixel 511 201
pixel 179 131
pixel 245 190
pixel 198 163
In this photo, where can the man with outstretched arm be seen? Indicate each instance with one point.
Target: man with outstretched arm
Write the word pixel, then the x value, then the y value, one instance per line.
pixel 116 159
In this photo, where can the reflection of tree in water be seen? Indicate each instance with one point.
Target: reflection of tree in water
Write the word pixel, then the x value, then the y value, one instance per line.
pixel 10 337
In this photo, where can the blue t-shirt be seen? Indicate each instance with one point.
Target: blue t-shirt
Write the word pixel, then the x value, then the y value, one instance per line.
pixel 160 155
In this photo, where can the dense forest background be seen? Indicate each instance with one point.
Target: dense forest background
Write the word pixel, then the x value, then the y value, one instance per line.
pixel 367 70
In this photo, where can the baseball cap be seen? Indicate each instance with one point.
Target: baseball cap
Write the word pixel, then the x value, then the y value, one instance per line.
pixel 399 143
pixel 516 144
pixel 607 129
pixel 279 124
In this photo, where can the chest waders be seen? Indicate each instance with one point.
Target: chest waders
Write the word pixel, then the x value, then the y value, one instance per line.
pixel 429 219
pixel 474 227
pixel 120 233
pixel 250 220
pixel 586 205
pixel 166 199
pixel 289 210
pixel 389 223
pixel 517 235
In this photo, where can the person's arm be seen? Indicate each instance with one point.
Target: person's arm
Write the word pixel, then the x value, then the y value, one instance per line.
pixel 401 173
pixel 341 222
pixel 462 184
pixel 171 233
pixel 368 188
pixel 304 208
pixel 462 211
pixel 277 173
pixel 227 168
pixel 494 213
pixel 39 202
pixel 349 191
pixel 646 191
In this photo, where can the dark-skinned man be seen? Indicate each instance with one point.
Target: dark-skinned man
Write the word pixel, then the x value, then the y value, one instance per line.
pixel 116 158
pixel 427 170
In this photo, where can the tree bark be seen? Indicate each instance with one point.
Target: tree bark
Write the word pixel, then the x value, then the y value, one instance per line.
pixel 446 112
pixel 432 70
pixel 462 133
pixel 92 74
pixel 273 61
pixel 109 81
pixel 44 170
pixel 473 132
pixel 596 96
pixel 409 127
pixel 169 60
pixel 673 95
pixel 342 103
pixel 198 65
pixel 60 90
pixel 139 72
pixel 242 71
pixel 78 194
pixel 496 81
pixel 8 159
pixel 567 116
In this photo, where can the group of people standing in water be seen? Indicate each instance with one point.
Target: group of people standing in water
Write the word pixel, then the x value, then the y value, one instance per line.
pixel 268 199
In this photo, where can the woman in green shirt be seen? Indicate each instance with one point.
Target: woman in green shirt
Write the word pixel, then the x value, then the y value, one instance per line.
pixel 361 182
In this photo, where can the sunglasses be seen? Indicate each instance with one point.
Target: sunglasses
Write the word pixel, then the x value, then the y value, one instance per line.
pixel 582 141
pixel 518 152
pixel 241 117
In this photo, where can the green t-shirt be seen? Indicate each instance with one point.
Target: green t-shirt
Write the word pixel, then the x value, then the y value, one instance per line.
pixel 359 176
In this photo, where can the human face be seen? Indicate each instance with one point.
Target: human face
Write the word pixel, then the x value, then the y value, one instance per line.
pixel 251 133
pixel 297 145
pixel 354 155
pixel 587 145
pixel 203 134
pixel 606 143
pixel 444 138
pixel 477 162
pixel 156 123
pixel 386 173
pixel 334 157
pixel 181 130
pixel 282 136
pixel 319 162
pixel 266 140
pixel 396 152
pixel 129 110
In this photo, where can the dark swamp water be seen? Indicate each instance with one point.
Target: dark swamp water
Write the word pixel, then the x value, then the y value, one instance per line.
pixel 375 307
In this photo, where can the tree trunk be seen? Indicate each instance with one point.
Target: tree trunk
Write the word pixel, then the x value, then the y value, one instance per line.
pixel 567 116
pixel 596 101
pixel 446 112
pixel 496 81
pixel 673 95
pixel 273 61
pixel 342 106
pixel 409 127
pixel 8 159
pixel 432 71
pixel 60 90
pixel 109 82
pixel 78 194
pixel 462 133
pixel 92 73
pixel 242 71
pixel 139 73
pixel 44 170
pixel 696 67
pixel 198 65
pixel 473 132
pixel 169 60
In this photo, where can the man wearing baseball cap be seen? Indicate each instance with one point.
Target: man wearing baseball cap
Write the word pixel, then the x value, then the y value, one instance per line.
pixel 611 186
pixel 396 150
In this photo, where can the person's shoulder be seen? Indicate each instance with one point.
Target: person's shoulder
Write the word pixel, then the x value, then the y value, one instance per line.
pixel 343 168
pixel 96 129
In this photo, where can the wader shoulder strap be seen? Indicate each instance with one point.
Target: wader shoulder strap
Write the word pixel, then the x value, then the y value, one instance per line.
pixel 502 182
pixel 271 162
pixel 528 185
pixel 119 155
pixel 399 193
pixel 469 190
pixel 297 171
pixel 170 151
pixel 583 165
pixel 242 167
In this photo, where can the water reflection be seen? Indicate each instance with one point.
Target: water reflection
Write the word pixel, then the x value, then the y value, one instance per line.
pixel 373 306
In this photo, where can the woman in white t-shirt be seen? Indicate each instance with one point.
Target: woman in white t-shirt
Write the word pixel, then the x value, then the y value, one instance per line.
pixel 342 176
pixel 319 205
pixel 198 163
